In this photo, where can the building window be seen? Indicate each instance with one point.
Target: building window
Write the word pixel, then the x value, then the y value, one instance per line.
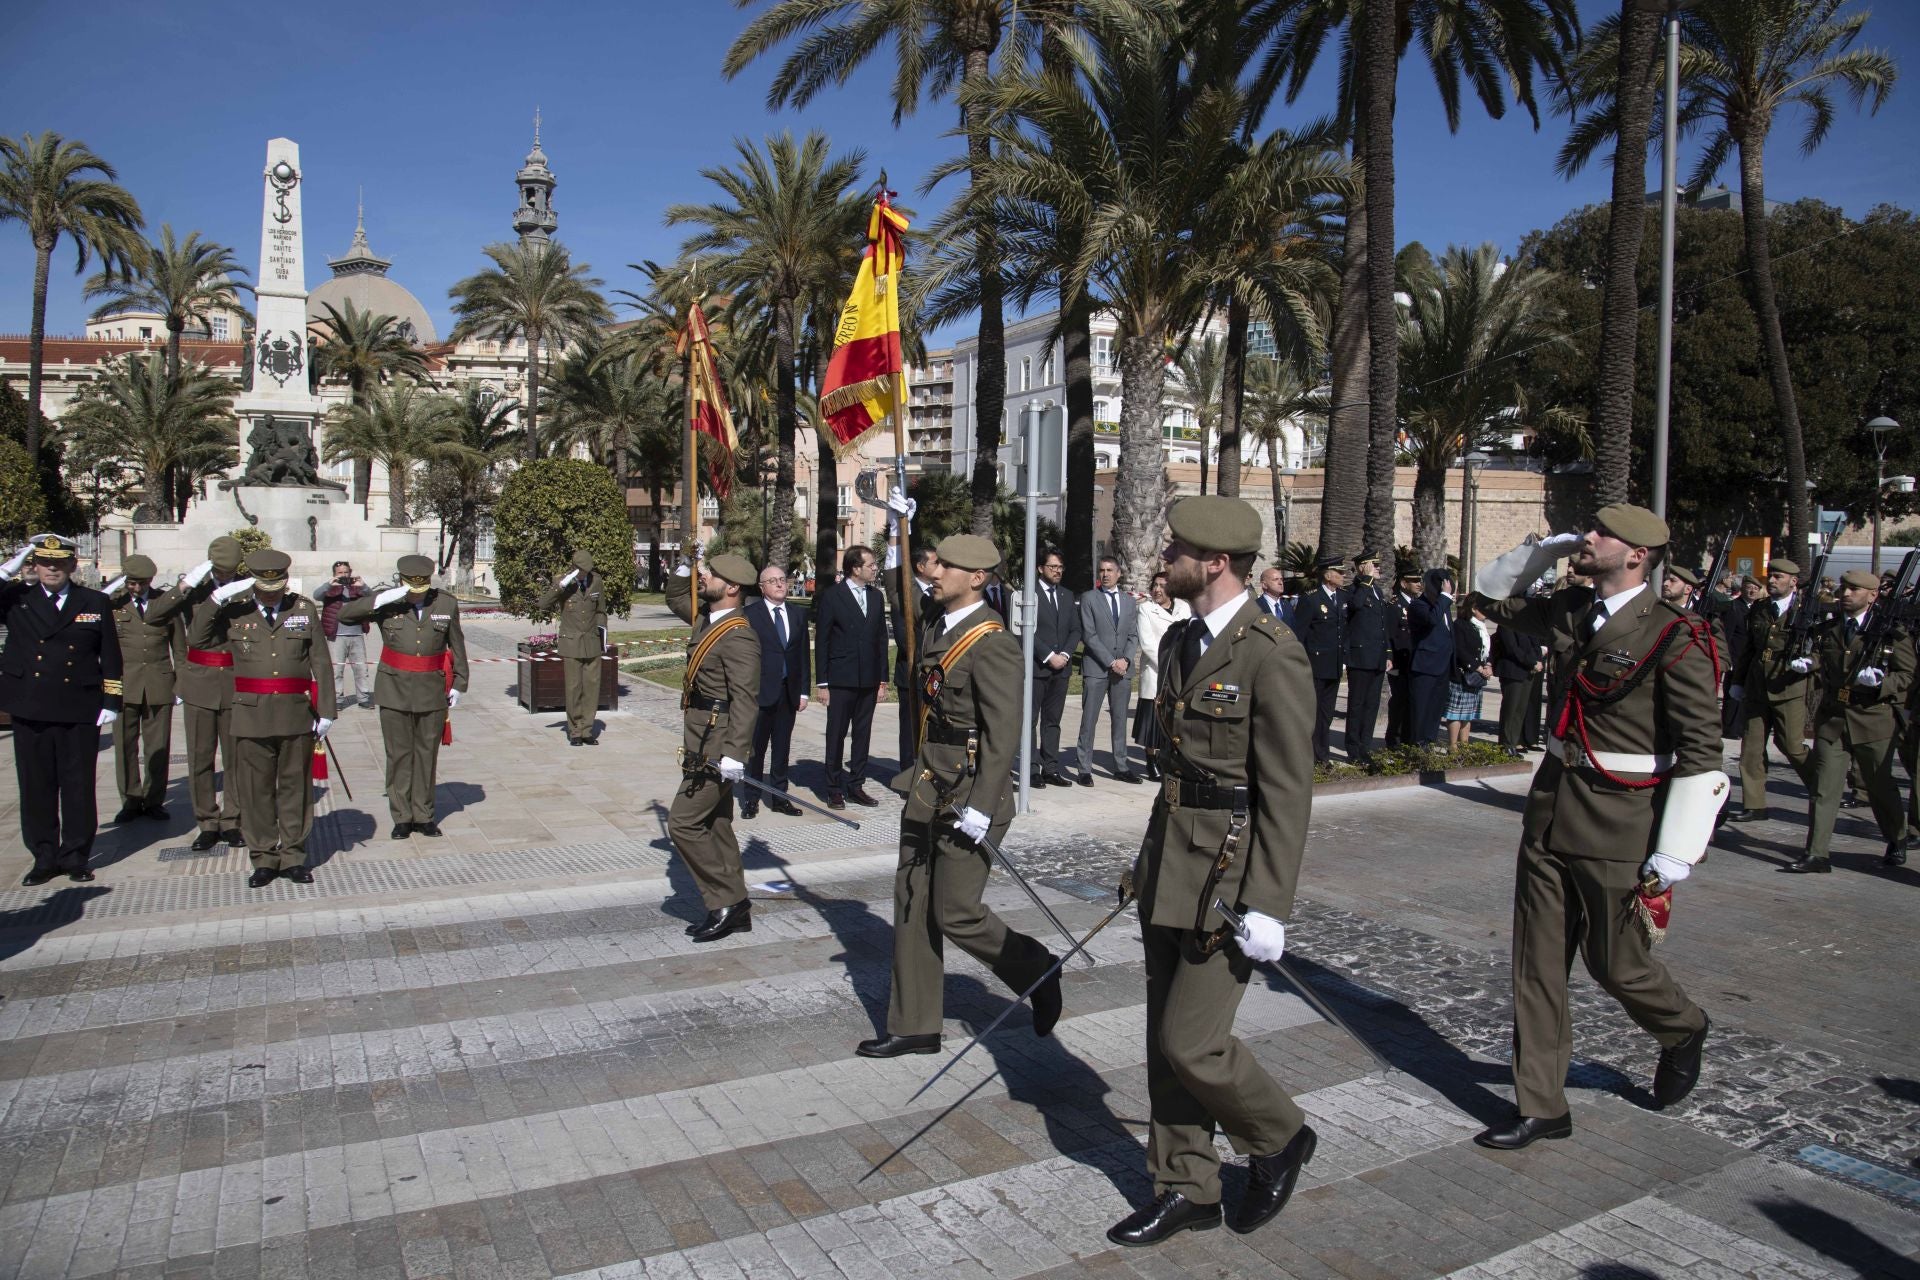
pixel 1103 353
pixel 146 333
pixel 1046 369
pixel 220 330
pixel 1026 373
pixel 846 502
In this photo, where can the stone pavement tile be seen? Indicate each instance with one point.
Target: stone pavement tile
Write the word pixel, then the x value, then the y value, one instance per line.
pixel 1800 1213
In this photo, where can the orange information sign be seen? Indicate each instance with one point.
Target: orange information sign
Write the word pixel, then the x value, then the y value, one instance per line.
pixel 1750 557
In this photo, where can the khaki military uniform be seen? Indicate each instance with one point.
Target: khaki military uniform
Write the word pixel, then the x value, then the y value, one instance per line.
pixel 1587 829
pixel 273 729
pixel 1775 703
pixel 720 702
pixel 1236 757
pixel 966 759
pixel 413 702
pixel 581 644
pixel 205 686
pixel 1855 725
pixel 143 735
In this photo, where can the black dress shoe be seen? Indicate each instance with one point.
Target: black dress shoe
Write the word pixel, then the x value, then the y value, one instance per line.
pixel 157 812
pixel 1523 1131
pixel 1037 781
pixel 1085 779
pixel 299 875
pixel 1809 866
pixel 35 878
pixel 1896 854
pixel 427 829
pixel 1271 1179
pixel 401 830
pixel 261 877
pixel 1129 776
pixel 1153 773
pixel 1169 1214
pixel 897 1046
pixel 205 841
pixel 704 922
pixel 749 808
pixel 128 812
pixel 594 741
pixel 786 807
pixel 1046 1004
pixel 81 876
pixel 233 838
pixel 1749 815
pixel 858 794
pixel 836 800
pixel 1679 1068
pixel 1055 778
pixel 737 918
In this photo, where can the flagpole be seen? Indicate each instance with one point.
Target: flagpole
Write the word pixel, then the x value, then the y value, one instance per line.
pixel 689 479
pixel 909 629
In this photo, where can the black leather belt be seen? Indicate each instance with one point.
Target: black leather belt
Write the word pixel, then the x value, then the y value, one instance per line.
pixel 1207 795
pixel 700 702
pixel 950 737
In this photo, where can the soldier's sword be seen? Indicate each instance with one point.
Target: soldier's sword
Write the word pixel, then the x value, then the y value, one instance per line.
pixel 987 844
pixel 793 799
pixel 1307 993
pixel 337 771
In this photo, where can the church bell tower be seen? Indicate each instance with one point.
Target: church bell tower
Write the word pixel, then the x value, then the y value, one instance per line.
pixel 534 219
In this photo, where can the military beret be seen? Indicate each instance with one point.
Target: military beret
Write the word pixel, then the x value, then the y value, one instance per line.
pixel 583 561
pixel 968 551
pixel 225 553
pixel 1781 565
pixel 269 565
pixel 1636 526
pixel 138 566
pixel 415 566
pixel 729 567
pixel 1683 573
pixel 1860 578
pixel 1211 522
pixel 53 548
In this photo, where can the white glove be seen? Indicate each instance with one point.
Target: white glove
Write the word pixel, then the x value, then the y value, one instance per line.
pixel 731 770
pixel 237 587
pixel 198 574
pixel 115 585
pixel 901 505
pixel 1801 665
pixel 1737 692
pixel 105 718
pixel 571 575
pixel 973 824
pixel 1670 870
pixel 1262 937
pixel 892 561
pixel 392 595
pixel 1511 572
pixel 1870 677
pixel 1563 543
pixel 12 566
pixel 453 699
pixel 320 727
pixel 683 572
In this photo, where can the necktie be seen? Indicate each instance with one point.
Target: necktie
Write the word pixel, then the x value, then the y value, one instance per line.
pixel 141 605
pixel 1599 617
pixel 1113 606
pixel 860 597
pixel 780 625
pixel 1853 629
pixel 1191 648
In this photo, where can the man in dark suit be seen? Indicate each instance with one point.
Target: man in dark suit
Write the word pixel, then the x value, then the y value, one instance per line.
pixel 1056 634
pixel 1110 629
pixel 1272 599
pixel 1406 588
pixel 1520 664
pixel 60 681
pixel 923 610
pixel 1320 620
pixel 1430 617
pixel 786 674
pixel 1371 618
pixel 850 647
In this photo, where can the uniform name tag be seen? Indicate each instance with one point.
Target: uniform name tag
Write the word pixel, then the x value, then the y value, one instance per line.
pixel 1617 658
pixel 86 617
pixel 1220 693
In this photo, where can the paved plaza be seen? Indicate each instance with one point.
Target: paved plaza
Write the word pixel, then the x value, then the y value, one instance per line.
pixel 496 1055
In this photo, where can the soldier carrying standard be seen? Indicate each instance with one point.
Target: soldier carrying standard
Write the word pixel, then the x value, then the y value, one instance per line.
pixel 581 644
pixel 1236 708
pixel 205 686
pixel 1773 694
pixel 423 672
pixel 968 679
pixel 151 650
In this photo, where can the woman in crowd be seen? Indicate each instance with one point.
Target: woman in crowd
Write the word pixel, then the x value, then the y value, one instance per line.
pixel 1158 612
pixel 1472 666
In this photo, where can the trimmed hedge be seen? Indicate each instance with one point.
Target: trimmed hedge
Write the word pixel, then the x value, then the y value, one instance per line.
pixel 547 511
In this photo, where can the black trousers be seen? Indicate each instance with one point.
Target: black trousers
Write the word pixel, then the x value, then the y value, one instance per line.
pixel 909 704
pixel 1325 694
pixel 1399 705
pixel 1428 707
pixel 1049 702
pixel 1363 710
pixel 54 762
pixel 774 728
pixel 848 708
pixel 1520 712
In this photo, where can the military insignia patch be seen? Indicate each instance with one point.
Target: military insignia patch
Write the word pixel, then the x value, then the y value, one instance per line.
pixel 86 617
pixel 930 687
pixel 295 622
pixel 1219 692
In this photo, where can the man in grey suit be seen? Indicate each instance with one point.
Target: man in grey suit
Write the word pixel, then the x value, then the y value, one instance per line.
pixel 1110 630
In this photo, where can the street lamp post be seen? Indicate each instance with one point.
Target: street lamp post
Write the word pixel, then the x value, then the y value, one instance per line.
pixel 1882 429
pixel 1669 193
pixel 1469 514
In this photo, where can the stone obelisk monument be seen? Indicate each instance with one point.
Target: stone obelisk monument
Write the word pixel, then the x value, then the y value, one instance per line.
pixel 277 386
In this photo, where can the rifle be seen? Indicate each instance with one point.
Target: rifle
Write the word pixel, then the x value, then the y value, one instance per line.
pixel 1882 625
pixel 1805 609
pixel 1721 558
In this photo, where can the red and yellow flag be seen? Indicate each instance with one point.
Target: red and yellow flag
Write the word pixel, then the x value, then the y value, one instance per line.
pixel 707 410
pixel 864 372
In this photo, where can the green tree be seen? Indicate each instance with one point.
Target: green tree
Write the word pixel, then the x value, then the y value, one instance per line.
pixel 138 416
pixel 946 506
pixel 533 291
pixel 460 487
pixel 400 427
pixel 364 349
pixel 599 404
pixel 23 508
pixel 185 281
pixel 54 187
pixel 1201 366
pixel 548 510
pixel 1277 396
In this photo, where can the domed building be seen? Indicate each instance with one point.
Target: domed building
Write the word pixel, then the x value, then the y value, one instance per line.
pixel 360 277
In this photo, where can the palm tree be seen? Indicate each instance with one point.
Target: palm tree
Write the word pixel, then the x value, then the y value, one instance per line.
pixel 185 281
pixel 536 292
pixel 1201 366
pixel 600 403
pixel 364 349
pixel 483 427
pixel 400 426
pixel 1277 396
pixel 1742 62
pixel 54 187
pixel 653 458
pixel 139 416
pixel 785 220
pixel 1469 321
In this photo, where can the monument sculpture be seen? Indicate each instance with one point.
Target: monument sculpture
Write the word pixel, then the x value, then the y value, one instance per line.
pixel 282 454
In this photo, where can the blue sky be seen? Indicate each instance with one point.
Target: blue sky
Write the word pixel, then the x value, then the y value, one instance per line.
pixel 429 108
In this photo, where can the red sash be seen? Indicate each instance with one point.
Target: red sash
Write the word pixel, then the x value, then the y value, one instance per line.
pixel 442 661
pixel 272 684
pixel 209 658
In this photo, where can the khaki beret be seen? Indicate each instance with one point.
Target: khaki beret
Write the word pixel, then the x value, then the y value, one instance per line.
pixel 138 566
pixel 1683 573
pixel 968 551
pixel 225 553
pixel 1214 523
pixel 583 561
pixel 728 567
pixel 1781 565
pixel 1636 526
pixel 414 566
pixel 269 565
pixel 1860 578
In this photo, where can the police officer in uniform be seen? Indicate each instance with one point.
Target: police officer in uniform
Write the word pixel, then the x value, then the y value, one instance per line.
pixel 582 643
pixel 1320 617
pixel 205 687
pixel 1230 823
pixel 60 681
pixel 150 651
pixel 1406 586
pixel 423 672
pixel 1773 694
pixel 1371 617
pixel 1862 677
pixel 282 704
pixel 720 700
pixel 968 677
pixel 1622 806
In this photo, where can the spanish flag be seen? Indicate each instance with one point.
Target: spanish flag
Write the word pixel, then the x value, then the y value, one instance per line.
pixel 863 374
pixel 707 410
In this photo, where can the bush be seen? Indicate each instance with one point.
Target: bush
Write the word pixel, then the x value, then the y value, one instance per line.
pixel 1391 762
pixel 547 511
pixel 251 539
pixel 23 508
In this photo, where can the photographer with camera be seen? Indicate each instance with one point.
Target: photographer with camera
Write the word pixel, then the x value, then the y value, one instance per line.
pixel 347 641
